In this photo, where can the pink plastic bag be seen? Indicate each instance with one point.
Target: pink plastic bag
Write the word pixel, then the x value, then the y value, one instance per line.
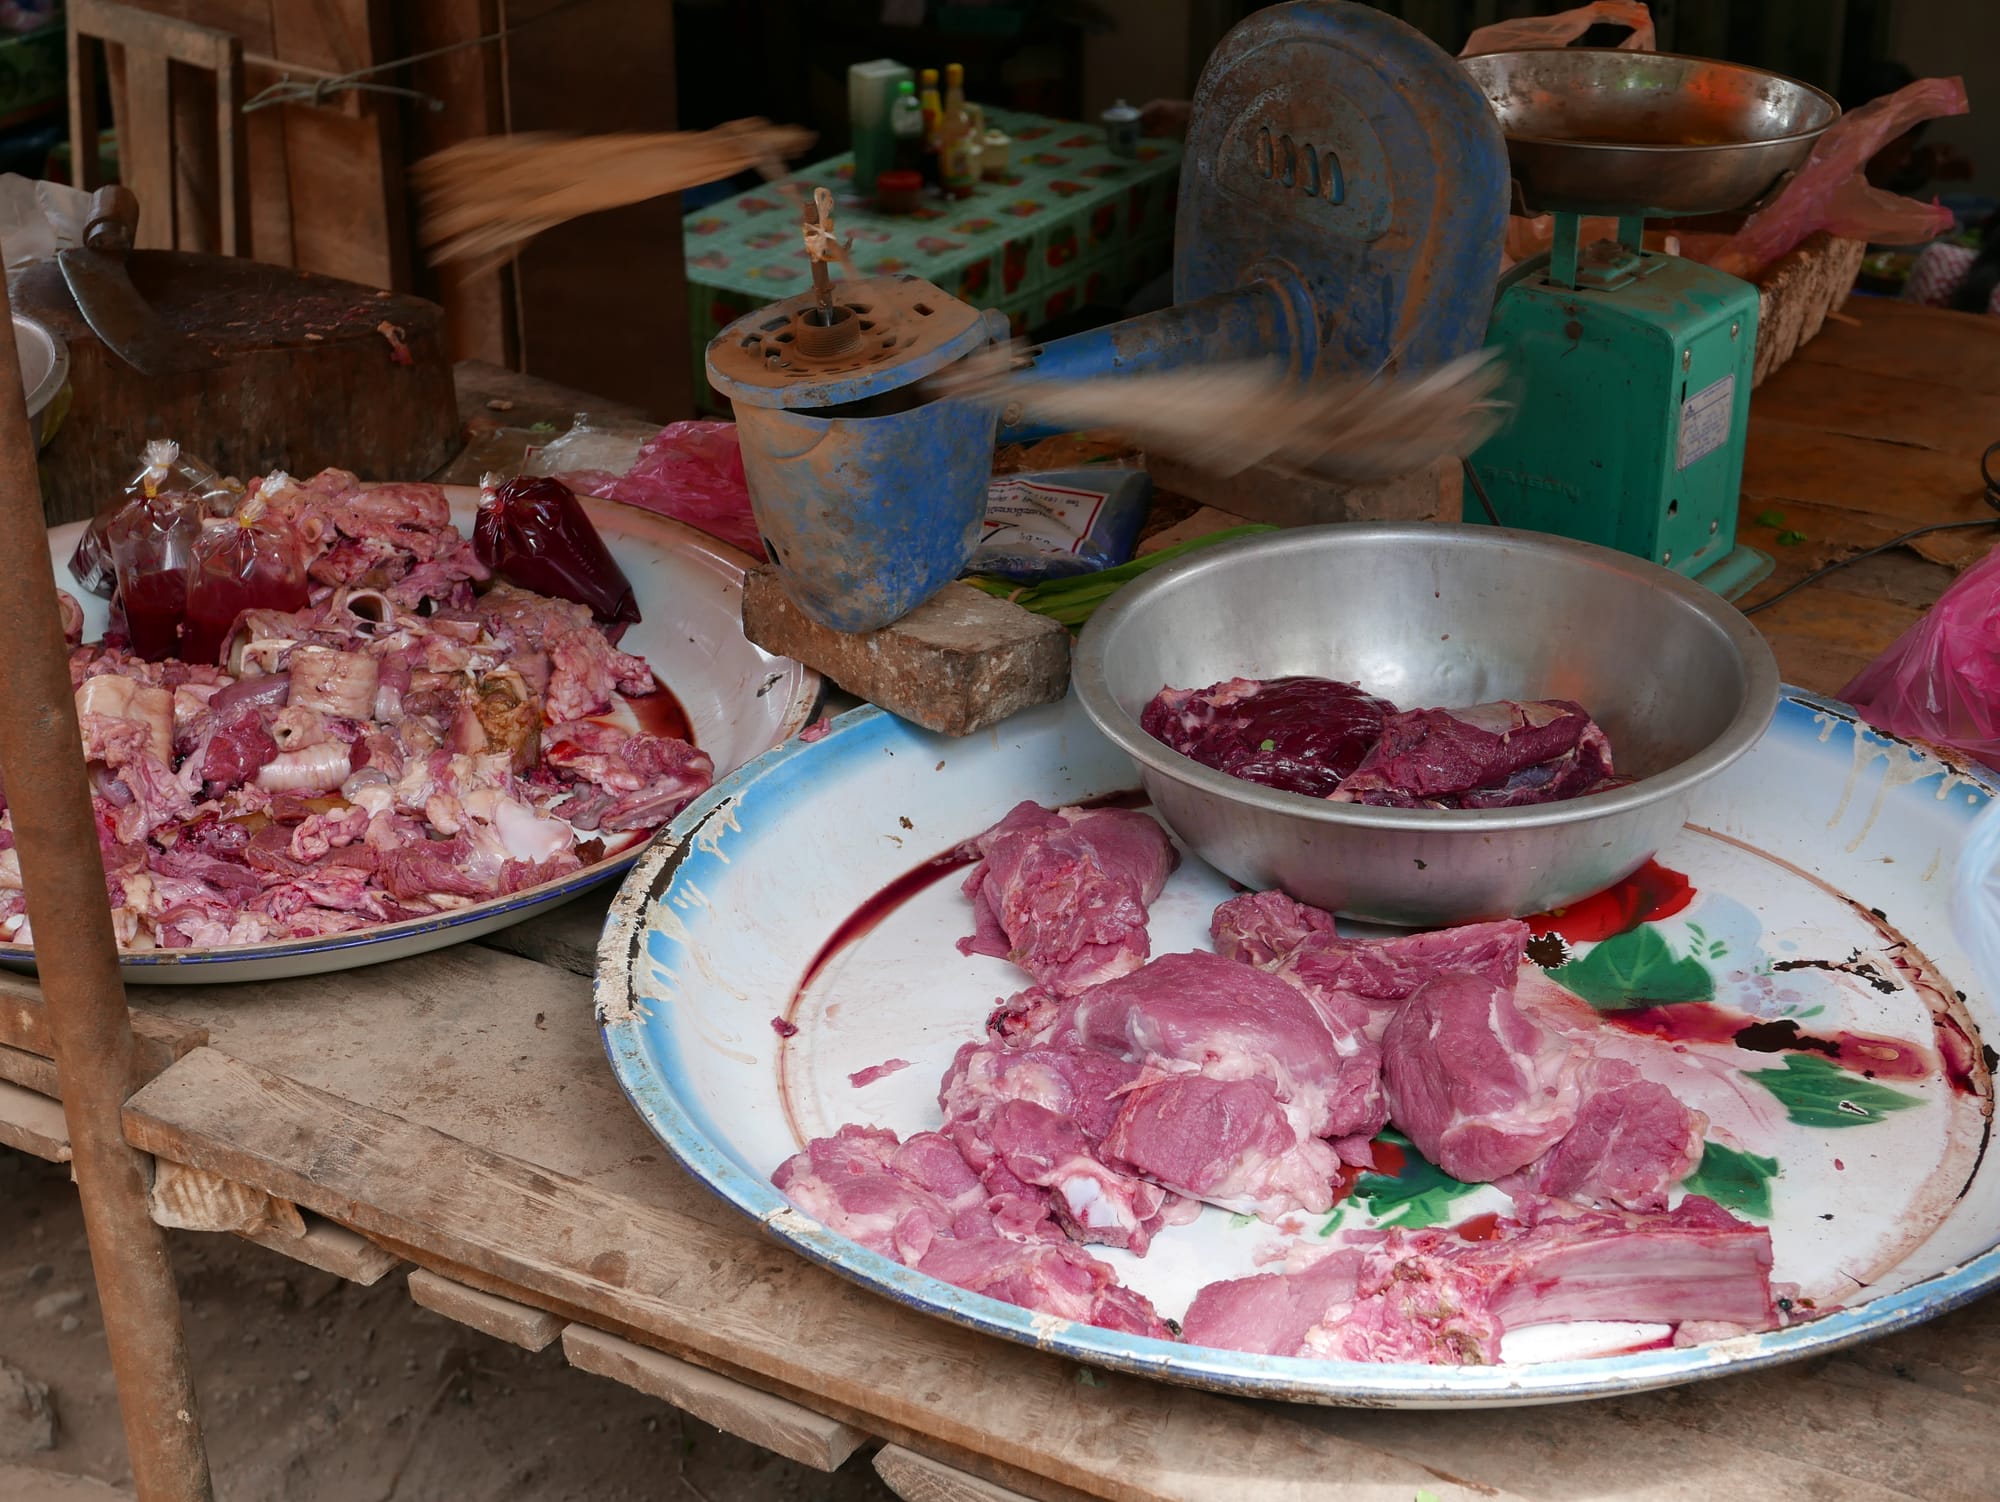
pixel 1561 30
pixel 1940 682
pixel 692 472
pixel 1824 196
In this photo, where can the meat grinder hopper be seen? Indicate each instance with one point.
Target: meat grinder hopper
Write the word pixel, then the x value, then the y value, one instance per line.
pixel 1633 368
pixel 1342 205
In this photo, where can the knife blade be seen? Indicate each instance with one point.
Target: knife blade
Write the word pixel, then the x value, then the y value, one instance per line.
pixel 102 286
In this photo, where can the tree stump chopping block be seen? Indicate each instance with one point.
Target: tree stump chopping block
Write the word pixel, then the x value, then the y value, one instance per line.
pixel 316 372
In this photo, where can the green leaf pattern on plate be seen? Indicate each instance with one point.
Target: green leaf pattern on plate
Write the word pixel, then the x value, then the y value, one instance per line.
pixel 1420 1195
pixel 1817 1093
pixel 1636 969
pixel 1735 1180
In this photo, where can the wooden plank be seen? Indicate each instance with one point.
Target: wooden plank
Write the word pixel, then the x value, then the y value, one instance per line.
pixel 1898 341
pixel 917 1478
pixel 1833 399
pixel 32 1123
pixel 86 115
pixel 503 1319
pixel 774 1423
pixel 566 938
pixel 332 1249
pixel 160 1040
pixel 1784 463
pixel 145 145
pixel 29 1070
pixel 716 1293
pixel 338 172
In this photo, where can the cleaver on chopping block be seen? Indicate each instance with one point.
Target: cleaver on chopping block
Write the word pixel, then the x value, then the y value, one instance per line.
pixel 102 286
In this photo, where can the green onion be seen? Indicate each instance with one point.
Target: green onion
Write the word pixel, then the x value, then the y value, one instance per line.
pixel 1072 600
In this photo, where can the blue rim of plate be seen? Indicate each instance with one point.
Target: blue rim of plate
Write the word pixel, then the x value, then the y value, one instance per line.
pixel 678 856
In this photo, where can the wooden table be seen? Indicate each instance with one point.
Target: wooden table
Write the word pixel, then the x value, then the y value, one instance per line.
pixel 456 1112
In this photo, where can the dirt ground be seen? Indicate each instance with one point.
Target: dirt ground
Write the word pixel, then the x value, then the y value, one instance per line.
pixel 314 1390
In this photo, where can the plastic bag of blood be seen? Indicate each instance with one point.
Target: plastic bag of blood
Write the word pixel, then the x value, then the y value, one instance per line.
pixel 164 470
pixel 1824 195
pixel 1940 680
pixel 250 562
pixel 532 530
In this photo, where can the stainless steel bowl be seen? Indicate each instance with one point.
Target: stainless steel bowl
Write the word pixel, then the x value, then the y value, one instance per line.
pixel 1434 616
pixel 1595 131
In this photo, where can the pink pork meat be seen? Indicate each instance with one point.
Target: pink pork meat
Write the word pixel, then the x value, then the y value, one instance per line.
pixel 1480 1087
pixel 1632 1141
pixel 1063 893
pixel 1432 1296
pixel 1299 944
pixel 920 1203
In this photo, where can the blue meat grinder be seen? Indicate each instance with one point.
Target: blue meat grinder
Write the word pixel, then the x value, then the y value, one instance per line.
pixel 1342 205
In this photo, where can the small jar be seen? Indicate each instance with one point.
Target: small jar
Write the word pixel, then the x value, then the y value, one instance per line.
pixel 993 158
pixel 899 192
pixel 1121 129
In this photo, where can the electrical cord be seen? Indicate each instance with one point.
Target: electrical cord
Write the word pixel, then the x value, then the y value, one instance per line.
pixel 1992 498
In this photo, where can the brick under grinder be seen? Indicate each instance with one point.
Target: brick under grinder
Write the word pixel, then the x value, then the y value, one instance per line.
pixel 1631 370
pixel 1341 211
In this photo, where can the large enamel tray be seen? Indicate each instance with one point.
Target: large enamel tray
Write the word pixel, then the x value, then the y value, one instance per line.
pixel 740 700
pixel 1821 866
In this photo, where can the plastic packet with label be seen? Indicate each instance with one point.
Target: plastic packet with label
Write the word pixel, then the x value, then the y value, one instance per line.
pixel 1057 523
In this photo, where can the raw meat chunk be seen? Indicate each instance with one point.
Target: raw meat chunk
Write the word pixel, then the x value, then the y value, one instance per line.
pixel 1063 893
pixel 1299 734
pixel 1632 1142
pixel 1298 944
pixel 1200 1012
pixel 1496 755
pixel 921 1203
pixel 893 1198
pixel 1038 1114
pixel 1373 1304
pixel 1227 1142
pixel 1049 1277
pixel 1480 1087
pixel 1434 1296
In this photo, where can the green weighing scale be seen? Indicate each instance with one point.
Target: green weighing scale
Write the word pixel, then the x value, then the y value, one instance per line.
pixel 1631 369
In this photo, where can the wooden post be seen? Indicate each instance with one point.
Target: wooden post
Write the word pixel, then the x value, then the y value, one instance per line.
pixel 76 956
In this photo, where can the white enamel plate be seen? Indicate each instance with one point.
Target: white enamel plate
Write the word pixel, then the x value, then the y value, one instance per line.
pixel 1804 908
pixel 740 700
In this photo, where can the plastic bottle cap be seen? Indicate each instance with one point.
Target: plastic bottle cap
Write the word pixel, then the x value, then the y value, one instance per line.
pixel 1120 113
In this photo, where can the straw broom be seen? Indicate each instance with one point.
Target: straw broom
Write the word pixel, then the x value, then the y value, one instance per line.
pixel 481 200
pixel 1223 419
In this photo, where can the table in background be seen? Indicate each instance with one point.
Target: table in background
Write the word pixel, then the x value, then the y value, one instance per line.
pixel 1069 225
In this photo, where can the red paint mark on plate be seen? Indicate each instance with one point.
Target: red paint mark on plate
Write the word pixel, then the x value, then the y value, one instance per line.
pixel 1652 892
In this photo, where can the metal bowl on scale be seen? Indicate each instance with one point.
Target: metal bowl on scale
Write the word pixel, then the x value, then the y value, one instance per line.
pixel 1600 131
pixel 1434 616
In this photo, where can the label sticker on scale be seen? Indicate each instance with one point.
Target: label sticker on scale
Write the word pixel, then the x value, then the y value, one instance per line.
pixel 1705 420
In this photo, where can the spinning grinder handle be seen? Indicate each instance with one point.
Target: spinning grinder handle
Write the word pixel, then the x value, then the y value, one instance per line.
pixel 1975 906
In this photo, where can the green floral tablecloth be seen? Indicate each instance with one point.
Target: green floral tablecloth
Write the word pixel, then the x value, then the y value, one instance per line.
pixel 1069 224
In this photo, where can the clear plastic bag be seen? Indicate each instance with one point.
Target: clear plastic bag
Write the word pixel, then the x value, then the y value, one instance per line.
pixel 251 562
pixel 690 471
pixel 163 471
pixel 1824 196
pixel 1940 681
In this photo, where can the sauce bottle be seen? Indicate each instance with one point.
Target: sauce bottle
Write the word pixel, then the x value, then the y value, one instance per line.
pixel 955 164
pixel 932 111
